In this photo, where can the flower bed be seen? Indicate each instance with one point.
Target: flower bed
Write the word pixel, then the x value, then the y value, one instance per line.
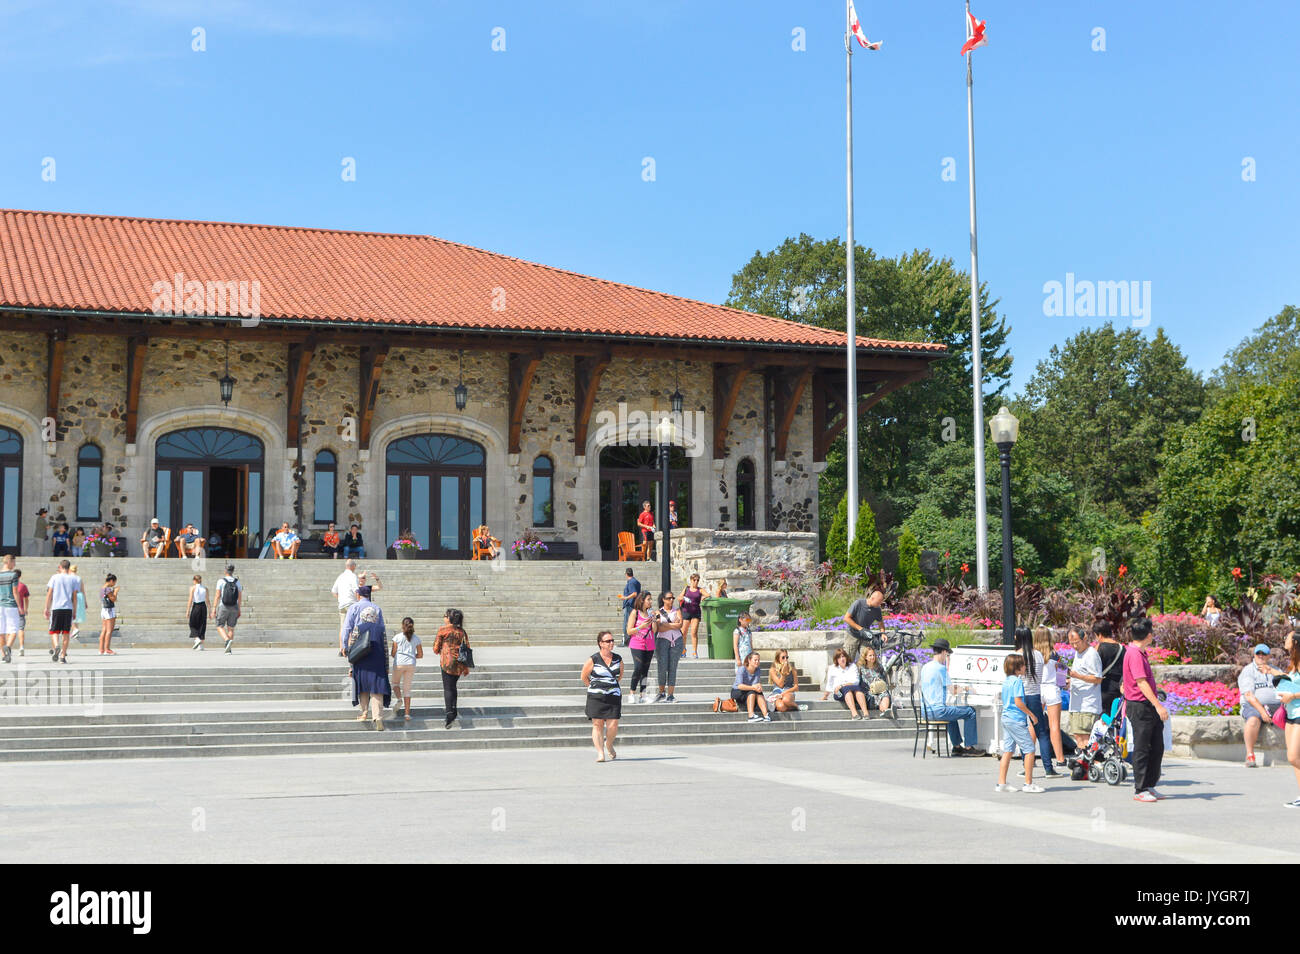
pixel 892 622
pixel 1201 698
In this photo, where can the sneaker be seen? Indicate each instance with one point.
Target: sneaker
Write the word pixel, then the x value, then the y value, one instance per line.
pixel 767 718
pixel 755 718
pixel 22 652
pixel 1294 804
pixel 379 725
pixel 803 707
pixel 54 655
pixel 1144 797
pixel 64 659
pixel 1035 789
pixel 7 654
pixel 671 699
pixel 660 698
pixel 1005 788
pixel 1250 761
pixel 1157 795
pixel 228 642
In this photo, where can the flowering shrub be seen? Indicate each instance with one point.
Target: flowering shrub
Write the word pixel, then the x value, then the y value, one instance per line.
pixel 110 541
pixel 911 621
pixel 406 543
pixel 528 546
pixel 1201 698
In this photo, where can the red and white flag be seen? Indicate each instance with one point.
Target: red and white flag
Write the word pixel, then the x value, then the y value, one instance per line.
pixel 974 33
pixel 856 28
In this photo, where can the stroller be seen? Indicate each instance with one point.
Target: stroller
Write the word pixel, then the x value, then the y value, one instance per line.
pixel 1103 756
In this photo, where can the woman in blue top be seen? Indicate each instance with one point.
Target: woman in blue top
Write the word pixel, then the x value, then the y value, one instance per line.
pixel 79 607
pixel 1016 721
pixel 370 686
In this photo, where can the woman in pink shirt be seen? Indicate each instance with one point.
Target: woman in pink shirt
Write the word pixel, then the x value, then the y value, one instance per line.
pixel 641 641
pixel 1145 713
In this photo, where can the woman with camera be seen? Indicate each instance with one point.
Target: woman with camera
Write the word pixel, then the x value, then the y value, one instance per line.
pixel 668 646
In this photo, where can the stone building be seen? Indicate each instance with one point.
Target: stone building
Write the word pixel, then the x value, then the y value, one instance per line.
pixel 344 353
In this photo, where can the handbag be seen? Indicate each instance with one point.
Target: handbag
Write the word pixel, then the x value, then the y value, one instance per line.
pixel 359 646
pixel 1279 717
pixel 465 655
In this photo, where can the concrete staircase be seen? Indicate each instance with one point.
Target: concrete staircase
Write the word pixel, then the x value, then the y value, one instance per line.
pixel 215 709
pixel 288 602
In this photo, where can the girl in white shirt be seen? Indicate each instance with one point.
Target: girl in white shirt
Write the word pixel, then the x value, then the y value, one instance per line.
pixel 197 612
pixel 406 650
pixel 1050 690
pixel 843 679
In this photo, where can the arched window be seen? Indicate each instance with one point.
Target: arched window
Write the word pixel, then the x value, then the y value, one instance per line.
pixel 745 495
pixel 90 479
pixel 11 478
pixel 326 473
pixel 543 492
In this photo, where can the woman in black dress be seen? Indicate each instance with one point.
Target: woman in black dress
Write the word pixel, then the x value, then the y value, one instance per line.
pixel 600 674
pixel 198 612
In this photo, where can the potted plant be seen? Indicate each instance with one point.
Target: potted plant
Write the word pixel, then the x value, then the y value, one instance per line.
pixel 101 545
pixel 406 547
pixel 529 547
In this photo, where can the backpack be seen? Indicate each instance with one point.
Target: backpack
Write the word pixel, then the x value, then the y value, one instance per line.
pixel 230 592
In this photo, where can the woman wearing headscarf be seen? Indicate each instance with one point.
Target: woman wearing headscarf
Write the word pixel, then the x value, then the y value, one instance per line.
pixel 370 687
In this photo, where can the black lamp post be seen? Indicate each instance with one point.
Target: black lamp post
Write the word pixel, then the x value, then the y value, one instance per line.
pixel 1005 429
pixel 666 431
pixel 461 392
pixel 226 382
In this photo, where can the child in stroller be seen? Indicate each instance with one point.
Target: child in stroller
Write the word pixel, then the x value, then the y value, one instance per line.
pixel 1103 756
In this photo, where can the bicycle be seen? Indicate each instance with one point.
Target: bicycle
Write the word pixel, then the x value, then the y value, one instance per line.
pixel 898 670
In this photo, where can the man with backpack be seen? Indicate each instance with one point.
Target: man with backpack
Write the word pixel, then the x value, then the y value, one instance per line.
pixel 226 607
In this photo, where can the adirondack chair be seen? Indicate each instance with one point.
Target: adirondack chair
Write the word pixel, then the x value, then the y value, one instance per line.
pixel 628 548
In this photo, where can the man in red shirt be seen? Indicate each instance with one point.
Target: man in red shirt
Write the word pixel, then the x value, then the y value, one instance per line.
pixel 1146 714
pixel 646 521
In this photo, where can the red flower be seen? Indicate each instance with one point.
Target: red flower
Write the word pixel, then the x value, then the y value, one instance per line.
pixel 1101 581
pixel 945 554
pixel 1122 569
pixel 965 568
pixel 1019 572
pixel 1236 572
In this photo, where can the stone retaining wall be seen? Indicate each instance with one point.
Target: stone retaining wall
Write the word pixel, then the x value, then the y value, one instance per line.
pixel 1220 738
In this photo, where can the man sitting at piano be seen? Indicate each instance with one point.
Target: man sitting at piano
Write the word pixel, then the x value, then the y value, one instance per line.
pixel 935 689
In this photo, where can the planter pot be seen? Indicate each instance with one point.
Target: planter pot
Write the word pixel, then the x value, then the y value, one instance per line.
pixel 409 553
pixel 100 549
pixel 526 554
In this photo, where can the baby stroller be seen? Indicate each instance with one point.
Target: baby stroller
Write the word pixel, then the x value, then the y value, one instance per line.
pixel 1103 756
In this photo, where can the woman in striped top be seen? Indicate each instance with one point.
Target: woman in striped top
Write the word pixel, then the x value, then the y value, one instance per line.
pixel 601 674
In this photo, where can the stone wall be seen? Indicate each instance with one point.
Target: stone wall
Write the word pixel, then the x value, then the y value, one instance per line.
pixel 179 389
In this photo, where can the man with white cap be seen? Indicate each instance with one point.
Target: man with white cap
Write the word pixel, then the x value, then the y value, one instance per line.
pixel 1259 698
pixel 154 539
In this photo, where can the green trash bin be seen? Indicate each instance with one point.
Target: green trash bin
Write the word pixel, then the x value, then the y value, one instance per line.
pixel 720 615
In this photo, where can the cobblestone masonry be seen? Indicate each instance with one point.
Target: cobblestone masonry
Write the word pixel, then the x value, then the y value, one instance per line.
pixel 179 387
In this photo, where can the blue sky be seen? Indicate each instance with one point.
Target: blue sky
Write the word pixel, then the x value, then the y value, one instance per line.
pixel 1123 165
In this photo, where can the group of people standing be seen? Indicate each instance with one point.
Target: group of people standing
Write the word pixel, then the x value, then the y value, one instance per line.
pixel 660 633
pixel 362 625
pixel 65 607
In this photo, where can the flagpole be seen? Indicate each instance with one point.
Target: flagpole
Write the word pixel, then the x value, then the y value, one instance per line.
pixel 981 519
pixel 851 345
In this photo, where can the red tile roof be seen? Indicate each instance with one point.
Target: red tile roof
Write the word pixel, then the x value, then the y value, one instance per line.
pixel 75 262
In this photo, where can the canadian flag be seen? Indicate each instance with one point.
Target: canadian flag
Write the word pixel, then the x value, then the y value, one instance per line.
pixel 856 28
pixel 974 33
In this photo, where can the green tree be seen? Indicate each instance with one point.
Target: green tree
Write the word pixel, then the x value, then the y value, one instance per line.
pixel 909 562
pixel 837 540
pixel 914 297
pixel 1230 487
pixel 1272 352
pixel 864 552
pixel 1101 407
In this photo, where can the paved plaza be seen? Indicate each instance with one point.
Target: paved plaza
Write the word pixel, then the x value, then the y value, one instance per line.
pixel 816 802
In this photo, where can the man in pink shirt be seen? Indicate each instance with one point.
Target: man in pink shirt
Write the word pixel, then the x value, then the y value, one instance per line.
pixel 1145 713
